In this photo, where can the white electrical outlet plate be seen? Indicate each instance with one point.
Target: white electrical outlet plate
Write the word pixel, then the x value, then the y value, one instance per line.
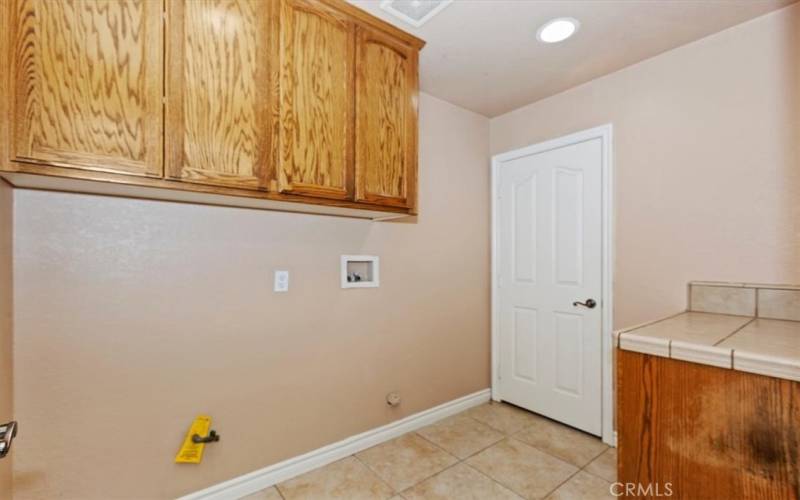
pixel 281 281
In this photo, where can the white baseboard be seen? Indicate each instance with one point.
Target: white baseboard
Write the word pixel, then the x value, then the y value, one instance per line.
pixel 258 480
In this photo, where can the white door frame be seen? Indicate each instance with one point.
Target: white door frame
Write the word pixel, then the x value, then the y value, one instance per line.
pixel 605 133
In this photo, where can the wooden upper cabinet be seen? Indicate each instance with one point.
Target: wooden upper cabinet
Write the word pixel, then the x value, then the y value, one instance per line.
pixel 221 91
pixel 307 101
pixel 317 100
pixel 87 83
pixel 386 120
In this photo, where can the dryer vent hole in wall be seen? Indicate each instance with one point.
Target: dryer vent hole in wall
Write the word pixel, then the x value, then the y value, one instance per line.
pixel 393 398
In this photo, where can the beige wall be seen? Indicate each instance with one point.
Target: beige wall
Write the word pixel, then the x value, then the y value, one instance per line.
pixel 6 309
pixel 707 161
pixel 133 316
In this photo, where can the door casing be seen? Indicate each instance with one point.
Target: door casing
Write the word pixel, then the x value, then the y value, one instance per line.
pixel 605 133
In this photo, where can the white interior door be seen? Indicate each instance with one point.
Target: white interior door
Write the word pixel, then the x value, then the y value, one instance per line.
pixel 549 258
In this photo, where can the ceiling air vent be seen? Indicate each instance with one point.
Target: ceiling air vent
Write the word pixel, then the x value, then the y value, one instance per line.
pixel 414 12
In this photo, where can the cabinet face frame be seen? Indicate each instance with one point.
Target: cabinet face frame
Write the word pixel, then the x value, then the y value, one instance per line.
pixel 364 134
pixel 289 136
pixel 265 101
pixel 18 135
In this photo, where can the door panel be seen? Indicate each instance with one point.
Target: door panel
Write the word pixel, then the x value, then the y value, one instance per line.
pixel 317 100
pixel 386 120
pixel 88 80
pixel 524 225
pixel 524 332
pixel 568 219
pixel 549 256
pixel 222 97
pixel 568 329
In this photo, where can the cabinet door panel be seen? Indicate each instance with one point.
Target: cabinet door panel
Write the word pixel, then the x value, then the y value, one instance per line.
pixel 221 93
pixel 386 120
pixel 88 83
pixel 317 95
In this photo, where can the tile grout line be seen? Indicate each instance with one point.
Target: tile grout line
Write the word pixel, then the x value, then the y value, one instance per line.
pixel 608 450
pixel 278 490
pixel 758 298
pixel 512 436
pixel 562 483
pixel 505 437
pixel 581 469
pixel 375 473
pixel 482 423
pixel 490 478
pixel 577 468
pixel 484 448
pixel 399 492
pixel 551 455
pixel 733 333
pixel 463 461
pixel 496 481
pixel 458 460
pixel 434 444
pixel 429 477
pixel 503 434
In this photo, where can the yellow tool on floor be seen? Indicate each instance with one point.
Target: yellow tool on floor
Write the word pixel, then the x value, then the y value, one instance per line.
pixel 191 451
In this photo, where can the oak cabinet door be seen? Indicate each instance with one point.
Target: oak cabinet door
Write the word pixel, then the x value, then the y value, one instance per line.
pixel 221 91
pixel 87 84
pixel 317 100
pixel 386 120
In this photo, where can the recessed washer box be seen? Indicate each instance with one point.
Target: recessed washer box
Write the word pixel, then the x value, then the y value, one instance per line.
pixel 360 271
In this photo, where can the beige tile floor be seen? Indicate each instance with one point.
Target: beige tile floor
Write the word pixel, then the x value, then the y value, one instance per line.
pixel 493 451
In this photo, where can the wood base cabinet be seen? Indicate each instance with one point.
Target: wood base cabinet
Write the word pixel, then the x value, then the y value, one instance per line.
pixel 701 432
pixel 292 101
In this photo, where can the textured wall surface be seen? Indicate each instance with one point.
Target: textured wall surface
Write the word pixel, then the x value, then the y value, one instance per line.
pixel 707 161
pixel 6 336
pixel 134 316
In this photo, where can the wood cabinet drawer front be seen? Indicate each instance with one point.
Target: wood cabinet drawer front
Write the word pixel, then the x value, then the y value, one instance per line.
pixel 87 84
pixel 220 92
pixel 316 138
pixel 386 123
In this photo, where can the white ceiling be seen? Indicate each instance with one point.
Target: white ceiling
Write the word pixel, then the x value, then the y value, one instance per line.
pixel 483 54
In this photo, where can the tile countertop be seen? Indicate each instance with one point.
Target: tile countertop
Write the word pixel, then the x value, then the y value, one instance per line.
pixel 757 345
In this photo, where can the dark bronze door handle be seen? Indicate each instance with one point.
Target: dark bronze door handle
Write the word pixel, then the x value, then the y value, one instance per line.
pixel 590 303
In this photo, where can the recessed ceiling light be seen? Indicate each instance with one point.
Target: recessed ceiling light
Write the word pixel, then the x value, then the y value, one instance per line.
pixel 558 30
